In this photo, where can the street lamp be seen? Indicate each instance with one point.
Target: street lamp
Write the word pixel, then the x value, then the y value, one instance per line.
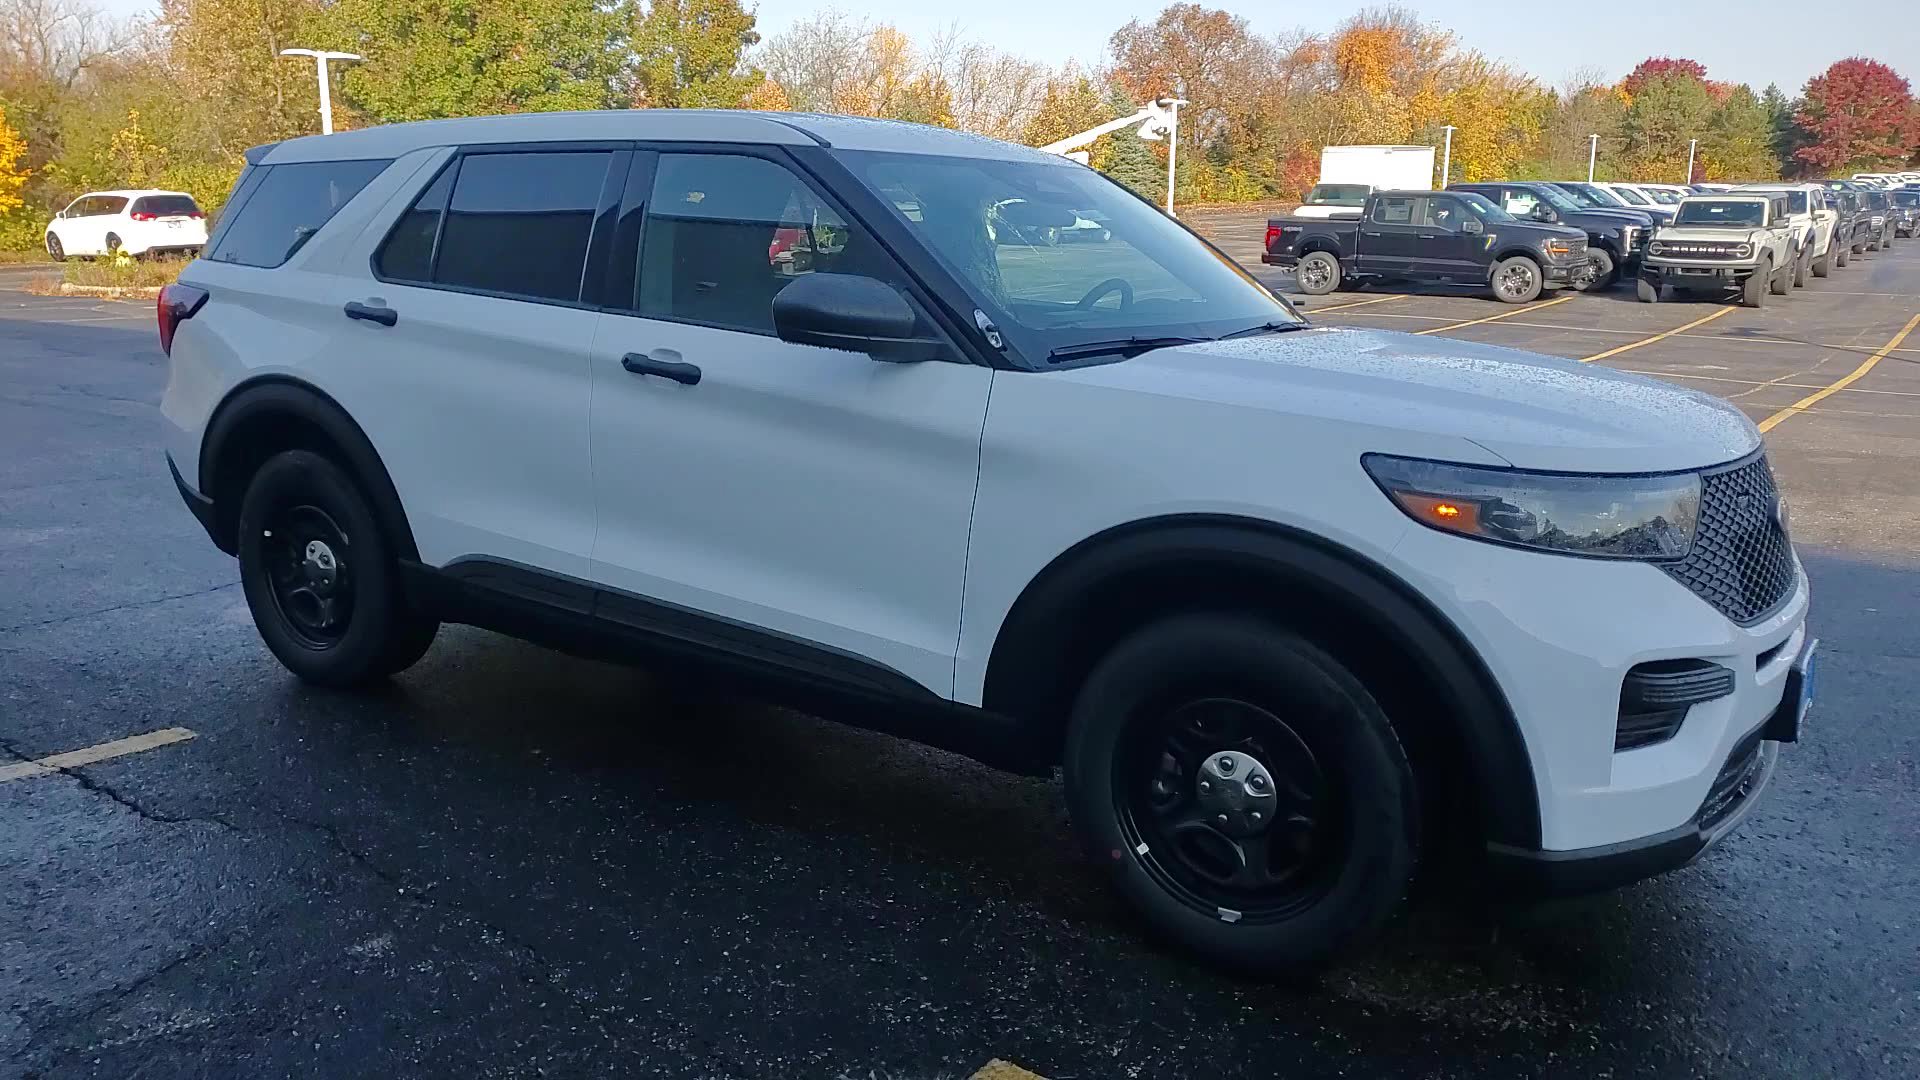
pixel 320 58
pixel 1691 143
pixel 1593 151
pixel 1172 106
pixel 1446 160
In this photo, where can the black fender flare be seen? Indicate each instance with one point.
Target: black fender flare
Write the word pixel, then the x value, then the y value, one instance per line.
pixel 1026 645
pixel 299 414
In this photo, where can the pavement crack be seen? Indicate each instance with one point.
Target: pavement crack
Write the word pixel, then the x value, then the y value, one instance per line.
pixel 117 607
pixel 100 787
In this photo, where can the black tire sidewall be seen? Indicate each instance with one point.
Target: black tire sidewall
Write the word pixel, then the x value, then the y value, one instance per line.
pixel 1353 740
pixel 1753 291
pixel 364 651
pixel 1605 271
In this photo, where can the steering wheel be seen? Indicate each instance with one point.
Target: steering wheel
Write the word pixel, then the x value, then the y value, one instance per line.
pixel 1112 284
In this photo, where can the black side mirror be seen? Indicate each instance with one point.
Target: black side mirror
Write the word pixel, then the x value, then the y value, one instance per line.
pixel 1472 225
pixel 1543 212
pixel 853 313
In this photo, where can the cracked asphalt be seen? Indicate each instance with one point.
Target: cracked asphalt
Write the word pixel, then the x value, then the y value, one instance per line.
pixel 511 863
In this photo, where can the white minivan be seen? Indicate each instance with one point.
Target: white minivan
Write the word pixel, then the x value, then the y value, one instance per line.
pixel 1288 605
pixel 136 222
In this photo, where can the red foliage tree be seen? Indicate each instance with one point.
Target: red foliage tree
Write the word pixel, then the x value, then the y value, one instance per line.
pixel 1656 66
pixel 1859 113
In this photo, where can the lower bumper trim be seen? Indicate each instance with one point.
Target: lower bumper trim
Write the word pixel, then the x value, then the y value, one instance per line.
pixel 200 506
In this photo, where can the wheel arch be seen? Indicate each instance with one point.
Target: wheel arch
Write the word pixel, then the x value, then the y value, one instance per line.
pixel 266 415
pixel 1432 683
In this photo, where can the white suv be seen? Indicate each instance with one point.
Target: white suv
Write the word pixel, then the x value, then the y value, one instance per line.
pixel 1288 603
pixel 136 222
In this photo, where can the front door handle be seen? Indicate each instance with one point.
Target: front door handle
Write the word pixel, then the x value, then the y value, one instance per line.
pixel 667 365
pixel 385 316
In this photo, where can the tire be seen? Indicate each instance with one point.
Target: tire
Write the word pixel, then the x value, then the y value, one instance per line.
pixel 1318 273
pixel 1876 241
pixel 1605 273
pixel 113 243
pixel 1753 292
pixel 1800 267
pixel 55 250
pixel 1822 266
pixel 1781 281
pixel 1517 280
pixel 1842 255
pixel 320 578
pixel 1233 683
pixel 1647 291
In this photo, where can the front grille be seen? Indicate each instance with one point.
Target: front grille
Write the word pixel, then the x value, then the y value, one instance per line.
pixel 1741 561
pixel 1733 785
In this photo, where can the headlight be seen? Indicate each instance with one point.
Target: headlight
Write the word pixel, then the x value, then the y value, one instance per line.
pixel 1656 248
pixel 1744 251
pixel 1615 517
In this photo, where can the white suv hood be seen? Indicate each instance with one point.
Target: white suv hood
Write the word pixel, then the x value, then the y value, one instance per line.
pixel 1536 412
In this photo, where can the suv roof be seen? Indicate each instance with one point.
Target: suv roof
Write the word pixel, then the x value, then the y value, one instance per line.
pixel 130 193
pixel 667 125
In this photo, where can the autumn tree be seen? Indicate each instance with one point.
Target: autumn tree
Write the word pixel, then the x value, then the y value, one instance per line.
pixel 1858 115
pixel 1665 110
pixel 1662 67
pixel 13 170
pixel 687 54
pixel 230 82
pixel 1070 104
pixel 1204 55
pixel 1738 143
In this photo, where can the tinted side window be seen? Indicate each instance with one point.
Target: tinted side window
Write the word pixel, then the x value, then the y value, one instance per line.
pixel 519 223
pixel 725 233
pixel 1393 211
pixel 1444 214
pixel 288 205
pixel 407 254
pixel 111 204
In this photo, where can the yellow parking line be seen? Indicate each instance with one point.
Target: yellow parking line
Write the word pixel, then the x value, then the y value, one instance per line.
pixel 88 755
pixel 1494 318
pixel 1842 383
pixel 1004 1070
pixel 1717 312
pixel 1355 304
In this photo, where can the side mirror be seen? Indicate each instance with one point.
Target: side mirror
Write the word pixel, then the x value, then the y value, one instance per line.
pixel 1472 225
pixel 852 313
pixel 1543 212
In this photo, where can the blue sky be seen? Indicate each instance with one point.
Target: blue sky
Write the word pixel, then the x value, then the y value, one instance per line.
pixel 1750 41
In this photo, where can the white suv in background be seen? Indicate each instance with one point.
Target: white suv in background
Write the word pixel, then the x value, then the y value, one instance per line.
pixel 136 222
pixel 798 400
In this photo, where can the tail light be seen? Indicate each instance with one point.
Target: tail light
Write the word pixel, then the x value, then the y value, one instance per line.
pixel 1273 236
pixel 142 215
pixel 177 304
pixel 195 215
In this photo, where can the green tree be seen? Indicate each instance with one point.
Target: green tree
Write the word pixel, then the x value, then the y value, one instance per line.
pixel 1070 104
pixel 1784 137
pixel 687 54
pixel 434 58
pixel 1738 144
pixel 231 87
pixel 1666 112
pixel 1130 161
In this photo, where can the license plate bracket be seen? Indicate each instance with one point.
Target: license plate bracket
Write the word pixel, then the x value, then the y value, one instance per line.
pixel 1791 716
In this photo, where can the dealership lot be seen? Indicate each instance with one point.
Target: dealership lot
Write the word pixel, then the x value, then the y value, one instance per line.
pixel 514 862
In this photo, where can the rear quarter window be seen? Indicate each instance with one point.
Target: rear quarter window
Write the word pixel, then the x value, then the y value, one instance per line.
pixel 285 206
pixel 165 205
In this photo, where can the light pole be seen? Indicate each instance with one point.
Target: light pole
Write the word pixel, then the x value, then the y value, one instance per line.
pixel 1593 151
pixel 1172 105
pixel 1691 143
pixel 1446 160
pixel 320 58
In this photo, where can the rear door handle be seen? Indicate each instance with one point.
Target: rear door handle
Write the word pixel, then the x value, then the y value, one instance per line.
pixel 664 363
pixel 385 316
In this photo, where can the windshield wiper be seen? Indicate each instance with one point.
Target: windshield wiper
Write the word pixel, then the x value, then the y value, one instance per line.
pixel 1263 328
pixel 1129 347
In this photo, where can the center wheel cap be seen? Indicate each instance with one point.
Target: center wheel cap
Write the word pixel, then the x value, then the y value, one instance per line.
pixel 319 563
pixel 1236 791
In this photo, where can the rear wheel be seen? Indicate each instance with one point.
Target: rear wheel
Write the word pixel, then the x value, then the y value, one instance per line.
pixel 1842 255
pixel 1800 267
pixel 1243 789
pixel 1318 274
pixel 113 243
pixel 1753 292
pixel 1517 280
pixel 320 578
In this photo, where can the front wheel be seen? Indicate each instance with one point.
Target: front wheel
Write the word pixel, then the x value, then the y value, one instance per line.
pixel 1782 281
pixel 1842 254
pixel 1244 791
pixel 320 578
pixel 1800 267
pixel 1517 280
pixel 1319 273
pixel 1753 292
pixel 1823 266
pixel 1601 272
pixel 55 251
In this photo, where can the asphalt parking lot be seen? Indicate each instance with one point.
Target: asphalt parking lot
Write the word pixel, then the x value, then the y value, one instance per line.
pixel 513 863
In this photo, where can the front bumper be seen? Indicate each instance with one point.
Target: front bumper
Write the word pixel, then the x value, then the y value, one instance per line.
pixel 1696 275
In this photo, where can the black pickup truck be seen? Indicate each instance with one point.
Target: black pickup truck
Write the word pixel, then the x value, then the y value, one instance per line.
pixel 1449 237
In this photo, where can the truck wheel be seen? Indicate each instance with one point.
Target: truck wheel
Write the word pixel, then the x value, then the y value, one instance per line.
pixel 1244 792
pixel 1319 274
pixel 1800 267
pixel 1517 280
pixel 1822 265
pixel 1602 269
pixel 1841 254
pixel 1782 281
pixel 1753 292
pixel 1648 292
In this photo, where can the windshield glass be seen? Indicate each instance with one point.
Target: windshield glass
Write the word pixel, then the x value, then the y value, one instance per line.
pixel 1589 196
pixel 1662 196
pixel 1721 212
pixel 1337 195
pixel 1905 198
pixel 1484 207
pixel 999 226
pixel 1560 200
pixel 1631 196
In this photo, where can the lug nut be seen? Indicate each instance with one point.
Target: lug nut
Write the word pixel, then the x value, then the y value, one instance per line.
pixel 1206 785
pixel 1226 764
pixel 1222 819
pixel 1257 782
pixel 1256 815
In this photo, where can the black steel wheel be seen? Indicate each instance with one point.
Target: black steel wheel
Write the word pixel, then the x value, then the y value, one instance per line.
pixel 310 572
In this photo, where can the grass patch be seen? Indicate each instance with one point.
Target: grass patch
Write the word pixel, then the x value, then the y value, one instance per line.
pixel 124 273
pixel 16 258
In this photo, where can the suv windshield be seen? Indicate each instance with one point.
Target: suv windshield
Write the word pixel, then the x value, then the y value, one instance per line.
pixel 1337 195
pixel 1632 197
pixel 1485 207
pixel 1589 196
pixel 1905 198
pixel 999 226
pixel 1559 200
pixel 1662 196
pixel 1721 212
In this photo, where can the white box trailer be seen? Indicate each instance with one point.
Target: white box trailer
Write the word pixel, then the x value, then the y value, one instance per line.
pixel 1348 174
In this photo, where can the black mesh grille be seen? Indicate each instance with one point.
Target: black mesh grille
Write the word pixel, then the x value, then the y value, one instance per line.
pixel 1741 562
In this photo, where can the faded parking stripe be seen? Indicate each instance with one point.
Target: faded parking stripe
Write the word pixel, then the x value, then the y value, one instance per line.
pixel 48 766
pixel 1843 382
